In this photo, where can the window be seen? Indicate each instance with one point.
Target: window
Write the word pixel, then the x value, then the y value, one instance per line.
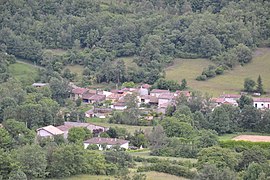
pixel 256 105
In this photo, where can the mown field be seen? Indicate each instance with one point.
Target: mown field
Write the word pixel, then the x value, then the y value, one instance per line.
pixel 149 176
pixel 230 82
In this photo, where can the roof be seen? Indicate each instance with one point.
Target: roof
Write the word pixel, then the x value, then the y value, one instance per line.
pixel 123 104
pixel 64 127
pixel 87 95
pixel 39 84
pixel 153 99
pixel 146 86
pixel 79 90
pixel 261 99
pixel 98 97
pixel 114 96
pixel 231 96
pixel 166 96
pixel 160 91
pixel 51 129
pixel 109 141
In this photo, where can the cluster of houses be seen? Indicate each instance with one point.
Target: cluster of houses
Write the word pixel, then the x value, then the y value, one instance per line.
pixel 52 131
pixel 159 99
pixel 259 103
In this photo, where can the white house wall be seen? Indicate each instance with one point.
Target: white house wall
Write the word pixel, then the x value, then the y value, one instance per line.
pixel 261 105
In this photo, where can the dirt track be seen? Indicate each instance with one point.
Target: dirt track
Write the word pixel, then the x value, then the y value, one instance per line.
pixel 252 138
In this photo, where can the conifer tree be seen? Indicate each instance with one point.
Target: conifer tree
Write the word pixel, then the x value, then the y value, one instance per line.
pixel 259 85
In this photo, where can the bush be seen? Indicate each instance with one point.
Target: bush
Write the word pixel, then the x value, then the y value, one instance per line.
pixel 93 147
pixel 209 73
pixel 219 70
pixel 201 78
pixel 243 145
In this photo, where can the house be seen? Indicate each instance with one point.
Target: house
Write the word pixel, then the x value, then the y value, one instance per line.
pixel 114 97
pixel 92 127
pixel 220 101
pixel 93 98
pixel 166 98
pixel 78 93
pixel 158 92
pixel 119 106
pixel 143 91
pixel 98 112
pixel 49 131
pixel 261 103
pixel 109 142
pixel 230 96
pixel 38 85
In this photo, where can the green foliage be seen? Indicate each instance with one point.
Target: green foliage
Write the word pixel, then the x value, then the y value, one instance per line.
pixel 259 87
pixel 78 134
pixel 221 157
pixel 220 120
pixel 168 85
pixel 32 161
pixel 93 147
pixel 168 168
pixel 7 164
pixel 5 139
pixel 240 145
pixel 212 172
pixel 249 85
pixel 128 84
pixel 244 100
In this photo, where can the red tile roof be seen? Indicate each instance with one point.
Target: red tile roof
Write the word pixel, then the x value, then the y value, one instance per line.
pixel 79 90
pixel 166 96
pixel 108 141
pixel 160 91
pixel 236 96
pixel 261 99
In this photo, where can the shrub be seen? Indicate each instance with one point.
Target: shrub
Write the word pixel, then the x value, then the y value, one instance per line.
pixel 92 147
pixel 201 78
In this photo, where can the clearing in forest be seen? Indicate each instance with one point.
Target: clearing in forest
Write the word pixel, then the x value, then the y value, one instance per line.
pixel 230 82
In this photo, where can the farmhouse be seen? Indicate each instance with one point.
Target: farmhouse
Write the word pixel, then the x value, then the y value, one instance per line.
pixel 261 103
pixel 78 93
pixel 49 131
pixel 92 127
pixel 109 142
pixel 166 98
pixel 158 92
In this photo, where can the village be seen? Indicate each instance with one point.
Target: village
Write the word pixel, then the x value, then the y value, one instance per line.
pixel 157 99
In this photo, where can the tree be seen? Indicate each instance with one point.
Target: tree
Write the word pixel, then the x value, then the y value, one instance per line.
pixel 206 139
pixel 32 160
pixel 5 139
pixel 19 132
pixel 249 118
pixel 157 139
pixel 210 171
pixel 7 164
pixel 252 155
pixel 174 128
pixel 253 172
pixel 220 157
pixel 244 100
pixel 259 88
pixel 249 85
pixel 139 139
pixel 18 175
pixel 220 121
pixel 78 134
pixel 183 84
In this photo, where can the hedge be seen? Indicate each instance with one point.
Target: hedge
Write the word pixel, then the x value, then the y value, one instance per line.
pixel 243 144
pixel 169 169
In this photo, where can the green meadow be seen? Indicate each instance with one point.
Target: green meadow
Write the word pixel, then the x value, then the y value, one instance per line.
pixel 23 71
pixel 230 82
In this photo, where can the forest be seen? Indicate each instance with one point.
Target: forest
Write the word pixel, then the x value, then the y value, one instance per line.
pixel 96 34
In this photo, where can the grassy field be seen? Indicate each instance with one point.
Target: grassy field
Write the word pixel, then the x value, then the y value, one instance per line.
pixel 230 82
pixel 23 71
pixel 149 176
pixel 231 136
pixel 129 128
pixel 146 154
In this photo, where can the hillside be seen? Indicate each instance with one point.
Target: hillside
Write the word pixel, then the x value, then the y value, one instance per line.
pixel 230 82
